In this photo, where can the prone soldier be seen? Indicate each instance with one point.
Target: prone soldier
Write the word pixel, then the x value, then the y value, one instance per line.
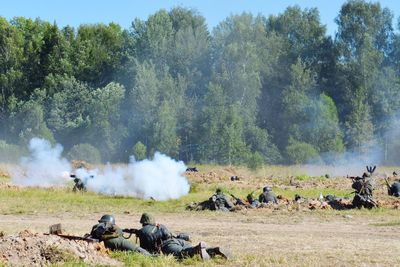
pixel 267 196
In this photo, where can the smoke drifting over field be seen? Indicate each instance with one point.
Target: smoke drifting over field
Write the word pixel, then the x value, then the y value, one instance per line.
pixel 160 178
pixel 43 167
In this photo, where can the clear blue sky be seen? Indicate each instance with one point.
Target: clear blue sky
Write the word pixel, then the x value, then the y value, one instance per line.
pixel 76 12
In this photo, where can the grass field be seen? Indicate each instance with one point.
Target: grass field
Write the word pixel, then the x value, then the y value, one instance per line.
pixel 262 237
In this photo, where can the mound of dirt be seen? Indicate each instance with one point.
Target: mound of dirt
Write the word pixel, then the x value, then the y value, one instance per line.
pixel 28 248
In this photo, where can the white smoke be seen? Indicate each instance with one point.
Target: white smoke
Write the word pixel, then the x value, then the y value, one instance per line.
pixel 44 167
pixel 160 178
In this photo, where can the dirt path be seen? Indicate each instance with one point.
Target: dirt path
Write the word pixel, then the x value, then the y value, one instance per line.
pixel 259 239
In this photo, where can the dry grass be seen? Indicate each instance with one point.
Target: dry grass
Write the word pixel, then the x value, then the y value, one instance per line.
pixel 262 237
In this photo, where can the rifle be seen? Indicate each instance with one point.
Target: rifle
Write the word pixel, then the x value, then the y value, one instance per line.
pixel 130 231
pixel 86 238
pixel 238 200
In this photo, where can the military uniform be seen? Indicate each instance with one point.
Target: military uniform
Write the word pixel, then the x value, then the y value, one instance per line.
pixel 364 187
pixel 219 201
pixel 79 185
pixel 395 189
pixel 156 238
pixel 267 196
pixel 113 239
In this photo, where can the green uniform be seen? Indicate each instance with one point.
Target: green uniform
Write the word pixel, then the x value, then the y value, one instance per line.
pixel 113 239
pixel 156 238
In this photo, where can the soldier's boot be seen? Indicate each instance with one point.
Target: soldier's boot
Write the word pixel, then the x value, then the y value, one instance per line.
pixel 200 249
pixel 219 251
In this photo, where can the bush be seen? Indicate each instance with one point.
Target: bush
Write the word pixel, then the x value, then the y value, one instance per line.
pixel 84 152
pixel 255 161
pixel 139 151
pixel 300 152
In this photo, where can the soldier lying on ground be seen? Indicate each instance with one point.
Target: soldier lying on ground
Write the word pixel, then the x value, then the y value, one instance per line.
pixel 219 201
pixel 156 238
pixel 267 196
pixel 253 202
pixel 112 236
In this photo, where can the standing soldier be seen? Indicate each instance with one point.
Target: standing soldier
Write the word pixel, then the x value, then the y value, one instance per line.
pixel 267 196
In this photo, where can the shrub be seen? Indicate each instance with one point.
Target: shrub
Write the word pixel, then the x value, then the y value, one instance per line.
pixel 300 152
pixel 85 152
pixel 139 151
pixel 10 153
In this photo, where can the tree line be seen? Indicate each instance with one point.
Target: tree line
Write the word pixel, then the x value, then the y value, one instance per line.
pixel 255 90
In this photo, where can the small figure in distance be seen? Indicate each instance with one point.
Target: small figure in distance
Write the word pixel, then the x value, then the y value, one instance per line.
pixel 219 201
pixel 194 169
pixel 267 196
pixel 234 178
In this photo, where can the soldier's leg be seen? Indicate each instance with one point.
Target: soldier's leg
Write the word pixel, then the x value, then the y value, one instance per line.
pixel 219 251
pixel 123 244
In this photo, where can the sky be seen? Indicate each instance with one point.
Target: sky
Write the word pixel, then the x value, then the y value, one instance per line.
pixel 123 12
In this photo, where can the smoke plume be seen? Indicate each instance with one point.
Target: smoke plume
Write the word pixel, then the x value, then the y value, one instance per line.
pixel 160 178
pixel 44 166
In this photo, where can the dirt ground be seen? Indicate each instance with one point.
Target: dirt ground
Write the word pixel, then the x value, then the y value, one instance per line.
pixel 260 238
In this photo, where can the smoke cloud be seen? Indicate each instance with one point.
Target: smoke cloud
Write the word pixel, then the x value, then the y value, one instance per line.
pixel 160 178
pixel 44 166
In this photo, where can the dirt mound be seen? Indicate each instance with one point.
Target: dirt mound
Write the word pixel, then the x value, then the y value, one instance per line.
pixel 78 164
pixel 28 248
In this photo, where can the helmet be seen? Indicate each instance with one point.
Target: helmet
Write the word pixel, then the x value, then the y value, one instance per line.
pixel 267 189
pixel 219 190
pixel 107 219
pixel 365 174
pixel 147 218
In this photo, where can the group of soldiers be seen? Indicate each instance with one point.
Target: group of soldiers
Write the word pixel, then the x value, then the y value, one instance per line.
pixel 154 239
pixel 363 196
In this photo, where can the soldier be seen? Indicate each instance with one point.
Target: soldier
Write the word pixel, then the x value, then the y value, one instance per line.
pixel 79 184
pixel 156 238
pixel 363 187
pixel 267 196
pixel 108 232
pixel 253 203
pixel 394 189
pixel 219 201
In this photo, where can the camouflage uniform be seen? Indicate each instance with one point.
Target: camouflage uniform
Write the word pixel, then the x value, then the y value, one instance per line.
pixel 157 238
pixel 219 201
pixel 267 196
pixel 113 239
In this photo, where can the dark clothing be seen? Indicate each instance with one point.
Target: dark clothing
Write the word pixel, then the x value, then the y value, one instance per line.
pixel 219 201
pixel 157 238
pixel 268 197
pixel 113 239
pixel 395 189
pixel 364 188
pixel 151 237
pixel 79 185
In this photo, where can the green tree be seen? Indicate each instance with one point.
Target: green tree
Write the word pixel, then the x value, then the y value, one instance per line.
pixel 85 152
pixel 139 151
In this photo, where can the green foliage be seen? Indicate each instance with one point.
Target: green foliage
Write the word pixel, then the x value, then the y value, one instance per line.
pixel 250 91
pixel 139 151
pixel 300 152
pixel 85 152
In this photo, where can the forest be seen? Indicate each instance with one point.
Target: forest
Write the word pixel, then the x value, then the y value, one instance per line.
pixel 255 89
